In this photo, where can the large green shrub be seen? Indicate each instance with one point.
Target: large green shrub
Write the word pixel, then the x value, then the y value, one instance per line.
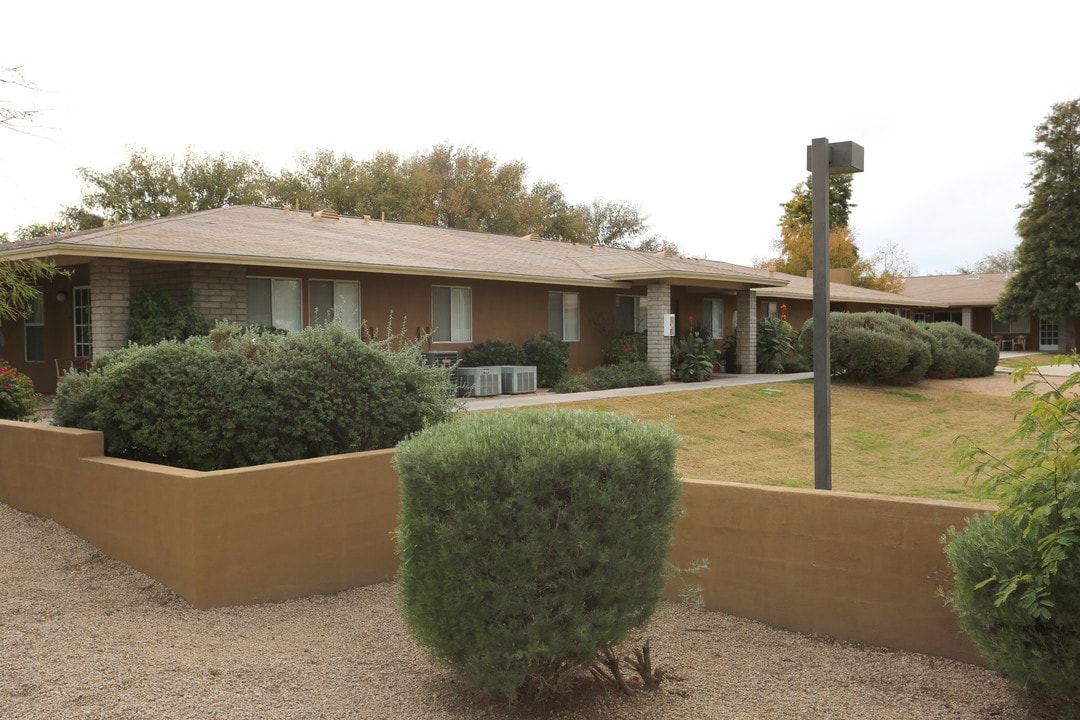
pixel 875 347
pixel 694 356
pixel 550 356
pixel 18 401
pixel 958 352
pixel 532 540
pixel 606 377
pixel 1017 588
pixel 155 316
pixel 242 397
pixel 492 352
pixel 774 344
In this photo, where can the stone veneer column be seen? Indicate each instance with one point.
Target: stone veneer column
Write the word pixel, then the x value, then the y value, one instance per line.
pixel 659 346
pixel 219 292
pixel 110 302
pixel 746 350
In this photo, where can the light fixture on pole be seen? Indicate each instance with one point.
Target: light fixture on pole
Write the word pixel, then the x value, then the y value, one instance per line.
pixel 822 160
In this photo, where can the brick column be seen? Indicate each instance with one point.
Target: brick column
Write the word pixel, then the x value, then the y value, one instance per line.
pixel 659 345
pixel 746 350
pixel 110 302
pixel 219 292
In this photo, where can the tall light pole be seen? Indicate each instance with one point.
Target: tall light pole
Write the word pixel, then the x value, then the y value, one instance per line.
pixel 822 160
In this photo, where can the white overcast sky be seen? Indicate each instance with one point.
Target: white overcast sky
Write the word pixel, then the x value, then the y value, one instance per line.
pixel 698 112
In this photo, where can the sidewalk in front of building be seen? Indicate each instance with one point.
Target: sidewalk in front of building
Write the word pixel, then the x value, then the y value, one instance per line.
pixel 546 397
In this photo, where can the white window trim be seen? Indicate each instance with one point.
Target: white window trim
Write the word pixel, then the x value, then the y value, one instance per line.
pixel 576 335
pixel 300 296
pixel 313 320
pixel 715 316
pixel 465 334
pixel 37 308
pixel 75 325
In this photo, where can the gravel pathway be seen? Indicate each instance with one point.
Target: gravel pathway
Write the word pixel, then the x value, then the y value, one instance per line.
pixel 86 637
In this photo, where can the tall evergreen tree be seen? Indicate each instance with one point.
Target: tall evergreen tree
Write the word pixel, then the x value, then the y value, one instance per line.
pixel 1048 257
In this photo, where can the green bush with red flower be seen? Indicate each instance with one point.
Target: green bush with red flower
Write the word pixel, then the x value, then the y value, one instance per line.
pixel 18 401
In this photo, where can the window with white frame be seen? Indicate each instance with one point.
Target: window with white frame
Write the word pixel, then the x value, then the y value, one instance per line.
pixel 334 300
pixel 631 313
pixel 712 318
pixel 34 329
pixel 275 302
pixel 918 317
pixel 83 335
pixel 451 313
pixel 770 309
pixel 564 316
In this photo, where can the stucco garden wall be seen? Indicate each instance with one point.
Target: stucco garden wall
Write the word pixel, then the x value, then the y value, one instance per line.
pixel 858 568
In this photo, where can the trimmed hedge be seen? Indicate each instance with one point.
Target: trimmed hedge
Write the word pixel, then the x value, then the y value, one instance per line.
pixel 958 352
pixel 493 352
pixel 550 356
pixel 875 347
pixel 243 397
pixel 607 377
pixel 532 540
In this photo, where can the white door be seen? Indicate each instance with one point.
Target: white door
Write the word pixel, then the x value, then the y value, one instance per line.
pixel 1048 335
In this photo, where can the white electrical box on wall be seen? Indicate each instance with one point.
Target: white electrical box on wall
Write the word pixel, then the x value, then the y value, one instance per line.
pixel 669 325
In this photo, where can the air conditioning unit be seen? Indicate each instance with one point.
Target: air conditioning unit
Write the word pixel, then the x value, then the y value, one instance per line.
pixel 480 381
pixel 518 379
pixel 439 357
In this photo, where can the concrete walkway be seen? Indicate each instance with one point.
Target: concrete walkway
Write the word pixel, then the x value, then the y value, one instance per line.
pixel 546 397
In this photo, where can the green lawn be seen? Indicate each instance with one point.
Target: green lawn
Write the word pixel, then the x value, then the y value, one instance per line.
pixel 895 441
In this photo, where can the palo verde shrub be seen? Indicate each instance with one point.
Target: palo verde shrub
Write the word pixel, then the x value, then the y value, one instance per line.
pixel 532 540
pixel 874 347
pixel 238 397
pixel 493 352
pixel 18 401
pixel 607 377
pixel 958 352
pixel 550 356
pixel 1017 588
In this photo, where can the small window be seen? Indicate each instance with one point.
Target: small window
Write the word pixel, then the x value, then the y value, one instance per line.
pixel 35 329
pixel 919 317
pixel 275 302
pixel 953 316
pixel 770 309
pixel 451 313
pixel 713 318
pixel 563 316
pixel 83 336
pixel 631 313
pixel 330 300
pixel 1017 327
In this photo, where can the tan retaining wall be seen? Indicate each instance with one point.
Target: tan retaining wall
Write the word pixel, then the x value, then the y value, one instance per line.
pixel 859 568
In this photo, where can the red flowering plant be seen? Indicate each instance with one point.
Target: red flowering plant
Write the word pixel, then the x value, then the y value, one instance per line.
pixel 18 401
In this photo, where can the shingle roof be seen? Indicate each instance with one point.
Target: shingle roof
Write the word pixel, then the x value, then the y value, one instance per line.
pixel 803 287
pixel 969 290
pixel 269 236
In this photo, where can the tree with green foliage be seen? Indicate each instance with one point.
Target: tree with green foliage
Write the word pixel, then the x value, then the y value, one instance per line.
pixel 1003 261
pixel 18 285
pixel 885 270
pixel 1017 587
pixel 147 186
pixel 1048 257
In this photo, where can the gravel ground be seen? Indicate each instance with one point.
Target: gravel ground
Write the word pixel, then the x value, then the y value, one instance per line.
pixel 84 636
